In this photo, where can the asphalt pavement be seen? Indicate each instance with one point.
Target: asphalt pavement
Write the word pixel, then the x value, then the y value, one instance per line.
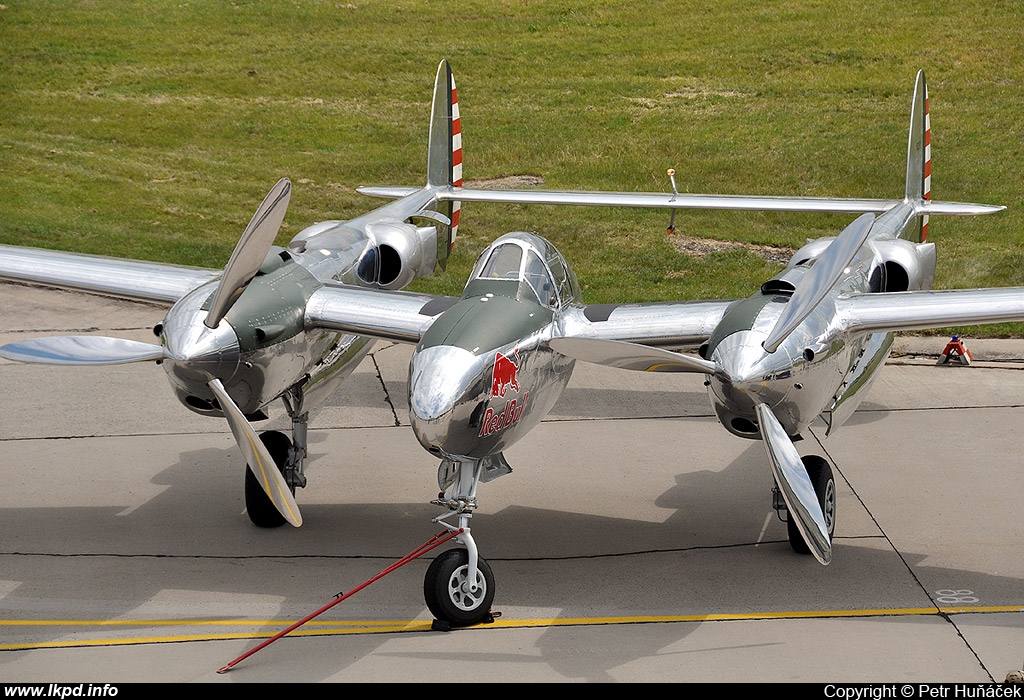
pixel 634 540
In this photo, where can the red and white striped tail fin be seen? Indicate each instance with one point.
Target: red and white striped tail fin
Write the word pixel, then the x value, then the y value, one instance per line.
pixel 444 156
pixel 919 152
pixel 927 194
pixel 456 162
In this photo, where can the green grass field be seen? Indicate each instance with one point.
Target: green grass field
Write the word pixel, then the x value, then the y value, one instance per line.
pixel 152 129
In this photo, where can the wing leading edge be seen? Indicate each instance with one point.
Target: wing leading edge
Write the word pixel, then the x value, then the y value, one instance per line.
pixel 399 316
pixel 116 277
pixel 918 310
pixel 632 341
pixel 658 324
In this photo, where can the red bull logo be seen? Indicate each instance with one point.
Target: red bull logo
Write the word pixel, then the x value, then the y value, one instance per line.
pixel 504 375
pixel 510 415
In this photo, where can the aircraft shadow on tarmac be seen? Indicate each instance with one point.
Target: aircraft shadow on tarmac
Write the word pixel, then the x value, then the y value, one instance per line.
pixel 190 549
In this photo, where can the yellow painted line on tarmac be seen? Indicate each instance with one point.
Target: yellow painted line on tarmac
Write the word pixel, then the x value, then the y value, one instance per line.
pixel 167 623
pixel 321 628
pixel 338 628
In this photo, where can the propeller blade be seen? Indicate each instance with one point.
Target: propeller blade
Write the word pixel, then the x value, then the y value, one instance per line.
pixel 641 358
pixel 81 350
pixel 251 251
pixel 820 279
pixel 796 486
pixel 257 457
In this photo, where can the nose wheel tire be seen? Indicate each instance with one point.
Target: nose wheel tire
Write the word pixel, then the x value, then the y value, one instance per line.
pixel 258 505
pixel 448 595
pixel 820 473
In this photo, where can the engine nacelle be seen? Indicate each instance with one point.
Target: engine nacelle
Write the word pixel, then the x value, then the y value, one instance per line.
pixel 908 265
pixel 400 253
pixel 905 265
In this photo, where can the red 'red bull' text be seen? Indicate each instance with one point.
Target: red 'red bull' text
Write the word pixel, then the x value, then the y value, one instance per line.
pixel 493 422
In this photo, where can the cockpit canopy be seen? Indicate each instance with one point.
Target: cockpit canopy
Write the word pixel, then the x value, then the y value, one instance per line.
pixel 534 263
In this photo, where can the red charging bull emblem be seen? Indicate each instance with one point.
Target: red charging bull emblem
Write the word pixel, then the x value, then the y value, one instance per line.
pixel 503 378
pixel 504 375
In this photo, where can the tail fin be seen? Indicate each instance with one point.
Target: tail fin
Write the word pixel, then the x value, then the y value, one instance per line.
pixel 444 155
pixel 919 153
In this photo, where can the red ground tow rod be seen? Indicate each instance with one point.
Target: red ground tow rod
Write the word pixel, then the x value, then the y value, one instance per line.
pixel 436 541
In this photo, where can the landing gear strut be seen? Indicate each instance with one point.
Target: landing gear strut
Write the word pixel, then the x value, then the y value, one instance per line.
pixel 289 456
pixel 459 585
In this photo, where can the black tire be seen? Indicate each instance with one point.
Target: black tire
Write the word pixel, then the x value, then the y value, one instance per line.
pixel 258 505
pixel 820 472
pixel 443 593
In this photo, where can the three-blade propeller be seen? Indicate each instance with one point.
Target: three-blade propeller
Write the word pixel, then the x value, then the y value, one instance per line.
pixel 790 473
pixel 245 262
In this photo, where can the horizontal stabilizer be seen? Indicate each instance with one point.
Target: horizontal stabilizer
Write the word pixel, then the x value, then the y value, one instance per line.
pixel 81 350
pixel 640 358
pixel 667 200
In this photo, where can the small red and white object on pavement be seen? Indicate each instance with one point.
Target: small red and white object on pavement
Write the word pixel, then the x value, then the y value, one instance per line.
pixel 955 350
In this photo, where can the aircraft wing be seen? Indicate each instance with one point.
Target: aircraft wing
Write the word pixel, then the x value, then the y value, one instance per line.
pixel 405 316
pixel 895 311
pixel 388 315
pixel 116 277
pixel 658 324
pixel 637 336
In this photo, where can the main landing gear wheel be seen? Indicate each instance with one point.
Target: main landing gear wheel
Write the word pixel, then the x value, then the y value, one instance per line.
pixel 820 472
pixel 258 505
pixel 444 589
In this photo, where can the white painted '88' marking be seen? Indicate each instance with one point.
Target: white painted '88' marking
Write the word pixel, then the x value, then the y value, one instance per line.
pixel 948 596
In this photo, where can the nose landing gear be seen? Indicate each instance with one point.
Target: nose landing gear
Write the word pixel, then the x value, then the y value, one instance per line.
pixel 450 594
pixel 459 585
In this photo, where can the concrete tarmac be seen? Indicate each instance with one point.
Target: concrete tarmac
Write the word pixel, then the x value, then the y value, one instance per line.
pixel 634 541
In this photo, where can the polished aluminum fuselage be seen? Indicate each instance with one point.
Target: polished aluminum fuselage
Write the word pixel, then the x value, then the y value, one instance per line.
pixel 483 374
pixel 454 409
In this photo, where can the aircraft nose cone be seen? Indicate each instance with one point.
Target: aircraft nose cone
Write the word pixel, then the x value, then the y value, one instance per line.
pixel 743 365
pixel 742 373
pixel 197 346
pixel 442 387
pixel 195 353
pixel 747 376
